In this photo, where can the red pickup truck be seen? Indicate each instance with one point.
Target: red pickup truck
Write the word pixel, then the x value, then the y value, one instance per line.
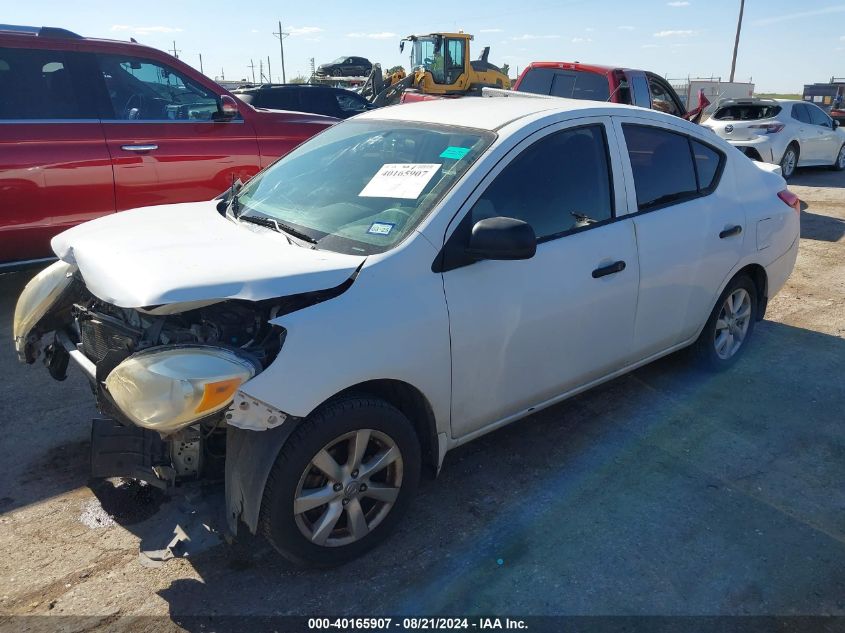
pixel 575 80
pixel 90 127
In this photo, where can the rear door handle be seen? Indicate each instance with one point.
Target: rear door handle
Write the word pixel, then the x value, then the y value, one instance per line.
pixel 615 267
pixel 734 230
pixel 139 148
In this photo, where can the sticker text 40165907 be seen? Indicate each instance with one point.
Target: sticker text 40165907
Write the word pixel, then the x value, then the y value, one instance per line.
pixel 395 180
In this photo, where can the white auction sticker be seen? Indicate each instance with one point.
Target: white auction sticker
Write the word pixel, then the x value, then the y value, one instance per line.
pixel 395 180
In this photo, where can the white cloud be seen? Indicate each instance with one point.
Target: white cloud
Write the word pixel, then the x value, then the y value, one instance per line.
pixel 840 8
pixel 254 31
pixel 491 30
pixel 303 30
pixel 581 40
pixel 589 29
pixel 678 3
pixel 650 46
pixel 529 36
pixel 384 35
pixel 145 30
pixel 676 33
pixel 625 27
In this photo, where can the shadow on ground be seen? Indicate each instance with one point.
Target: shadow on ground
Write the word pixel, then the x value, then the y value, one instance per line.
pixel 817 177
pixel 664 492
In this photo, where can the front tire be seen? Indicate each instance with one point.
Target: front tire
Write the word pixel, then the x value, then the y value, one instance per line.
pixel 789 162
pixel 839 163
pixel 341 482
pixel 730 326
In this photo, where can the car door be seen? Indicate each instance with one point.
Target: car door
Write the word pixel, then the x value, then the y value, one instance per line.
pixel 802 127
pixel 525 332
pixel 823 131
pixel 165 140
pixel 663 96
pixel 55 170
pixel 689 227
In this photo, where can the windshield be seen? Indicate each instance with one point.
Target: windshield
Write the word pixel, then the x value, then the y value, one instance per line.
pixel 339 60
pixel 361 186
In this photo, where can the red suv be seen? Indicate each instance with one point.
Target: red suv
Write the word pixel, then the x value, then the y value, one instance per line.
pixel 89 127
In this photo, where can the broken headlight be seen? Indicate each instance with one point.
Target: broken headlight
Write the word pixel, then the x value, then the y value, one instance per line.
pixel 167 389
pixel 35 302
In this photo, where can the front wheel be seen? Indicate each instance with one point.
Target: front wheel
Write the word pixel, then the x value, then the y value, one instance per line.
pixel 839 163
pixel 728 330
pixel 341 482
pixel 789 162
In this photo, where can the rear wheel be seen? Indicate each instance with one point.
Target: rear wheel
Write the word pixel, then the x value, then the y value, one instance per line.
pixel 789 161
pixel 341 482
pixel 728 330
pixel 337 72
pixel 839 163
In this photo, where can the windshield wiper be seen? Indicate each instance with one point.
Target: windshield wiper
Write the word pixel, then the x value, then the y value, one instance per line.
pixel 270 223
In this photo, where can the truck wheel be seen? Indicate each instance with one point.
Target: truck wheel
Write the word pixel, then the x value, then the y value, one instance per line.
pixel 341 482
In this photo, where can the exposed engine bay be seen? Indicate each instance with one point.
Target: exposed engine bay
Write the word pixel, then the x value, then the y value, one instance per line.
pixel 103 338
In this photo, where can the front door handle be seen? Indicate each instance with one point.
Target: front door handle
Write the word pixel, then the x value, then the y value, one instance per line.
pixel 615 267
pixel 139 148
pixel 734 230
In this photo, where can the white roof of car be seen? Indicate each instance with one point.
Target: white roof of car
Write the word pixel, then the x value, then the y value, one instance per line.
pixel 487 113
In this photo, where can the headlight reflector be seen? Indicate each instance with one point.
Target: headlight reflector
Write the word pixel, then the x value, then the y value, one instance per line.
pixel 167 389
pixel 35 301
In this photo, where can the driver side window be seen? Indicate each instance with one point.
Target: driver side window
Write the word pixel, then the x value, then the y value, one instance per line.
pixel 142 90
pixel 560 184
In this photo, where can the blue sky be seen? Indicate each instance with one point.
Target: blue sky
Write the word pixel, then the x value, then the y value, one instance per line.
pixel 784 43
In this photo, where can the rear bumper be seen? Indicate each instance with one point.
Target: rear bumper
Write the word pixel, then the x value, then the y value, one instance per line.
pixel 761 146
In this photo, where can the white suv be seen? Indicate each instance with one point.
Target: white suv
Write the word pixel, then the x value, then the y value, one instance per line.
pixel 405 282
pixel 787 133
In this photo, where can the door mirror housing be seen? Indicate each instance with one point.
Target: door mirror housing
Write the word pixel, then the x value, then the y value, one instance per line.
pixel 501 238
pixel 227 108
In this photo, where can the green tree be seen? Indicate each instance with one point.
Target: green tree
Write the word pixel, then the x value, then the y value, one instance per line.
pixel 394 69
pixel 505 69
pixel 299 79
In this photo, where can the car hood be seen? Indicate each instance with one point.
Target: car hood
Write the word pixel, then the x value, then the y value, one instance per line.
pixel 188 253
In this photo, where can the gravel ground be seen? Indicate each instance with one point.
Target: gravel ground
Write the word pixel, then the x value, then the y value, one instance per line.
pixel 663 492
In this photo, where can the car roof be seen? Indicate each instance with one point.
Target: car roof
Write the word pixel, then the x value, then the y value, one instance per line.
pixel 592 68
pixel 487 113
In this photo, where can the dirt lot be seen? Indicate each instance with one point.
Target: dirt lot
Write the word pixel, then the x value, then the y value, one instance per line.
pixel 663 492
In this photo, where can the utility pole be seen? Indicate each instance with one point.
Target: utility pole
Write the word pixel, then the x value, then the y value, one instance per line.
pixel 736 42
pixel 174 51
pixel 261 70
pixel 269 74
pixel 252 68
pixel 282 35
pixel 201 71
pixel 311 63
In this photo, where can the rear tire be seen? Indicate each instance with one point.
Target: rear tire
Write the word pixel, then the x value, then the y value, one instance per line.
pixel 319 518
pixel 789 161
pixel 730 326
pixel 839 163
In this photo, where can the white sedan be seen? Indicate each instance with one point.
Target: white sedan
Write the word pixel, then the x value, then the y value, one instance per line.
pixel 401 284
pixel 785 132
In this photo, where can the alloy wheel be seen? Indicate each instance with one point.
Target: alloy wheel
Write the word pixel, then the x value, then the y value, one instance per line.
pixel 348 488
pixel 732 323
pixel 840 160
pixel 788 165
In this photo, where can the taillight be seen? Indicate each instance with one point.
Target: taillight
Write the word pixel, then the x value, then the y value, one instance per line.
pixel 770 128
pixel 790 200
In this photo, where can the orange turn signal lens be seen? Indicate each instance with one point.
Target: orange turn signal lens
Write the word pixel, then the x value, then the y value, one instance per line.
pixel 218 393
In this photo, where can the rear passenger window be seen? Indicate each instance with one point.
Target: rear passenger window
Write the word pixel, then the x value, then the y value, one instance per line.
pixel 669 167
pixel 559 184
pixel 43 84
pixel 799 113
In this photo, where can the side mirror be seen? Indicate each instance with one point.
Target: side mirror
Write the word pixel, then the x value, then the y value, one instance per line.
pixel 227 108
pixel 835 123
pixel 502 239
